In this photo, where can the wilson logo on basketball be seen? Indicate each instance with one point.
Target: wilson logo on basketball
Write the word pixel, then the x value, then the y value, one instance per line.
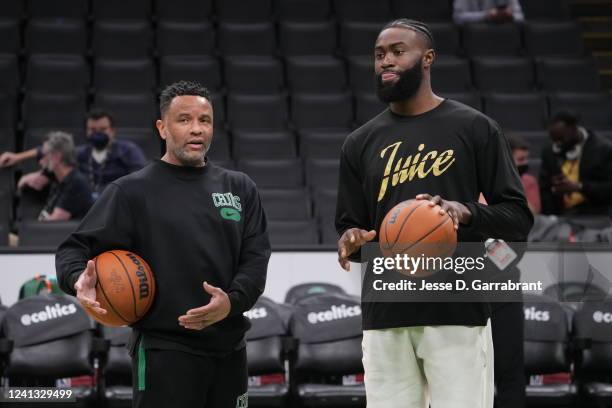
pixel 143 287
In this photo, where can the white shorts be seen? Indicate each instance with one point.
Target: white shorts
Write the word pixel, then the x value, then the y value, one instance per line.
pixel 444 366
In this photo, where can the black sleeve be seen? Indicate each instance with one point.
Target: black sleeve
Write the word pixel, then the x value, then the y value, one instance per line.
pixel 250 280
pixel 547 170
pixel 351 205
pixel 507 215
pixel 76 198
pixel 108 225
pixel 600 190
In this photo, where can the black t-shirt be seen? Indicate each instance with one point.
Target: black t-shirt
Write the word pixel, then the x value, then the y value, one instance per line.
pixel 191 224
pixel 453 151
pixel 72 194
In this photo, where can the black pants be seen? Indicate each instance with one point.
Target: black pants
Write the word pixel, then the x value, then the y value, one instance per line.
pixel 507 329
pixel 168 378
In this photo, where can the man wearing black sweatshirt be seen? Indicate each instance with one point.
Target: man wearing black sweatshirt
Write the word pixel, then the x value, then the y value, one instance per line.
pixel 435 149
pixel 203 231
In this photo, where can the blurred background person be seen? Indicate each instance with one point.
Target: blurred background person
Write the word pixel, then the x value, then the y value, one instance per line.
pixel 103 159
pixel 491 11
pixel 520 154
pixel 576 172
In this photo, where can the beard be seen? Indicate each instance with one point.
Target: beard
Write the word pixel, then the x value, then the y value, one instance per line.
pixel 190 159
pixel 404 88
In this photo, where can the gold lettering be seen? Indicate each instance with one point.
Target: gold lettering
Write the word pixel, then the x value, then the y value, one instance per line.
pixel 421 167
pixel 385 180
pixel 446 156
pixel 406 169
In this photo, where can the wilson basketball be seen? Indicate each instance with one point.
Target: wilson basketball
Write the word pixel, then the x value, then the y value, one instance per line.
pixel 125 287
pixel 414 228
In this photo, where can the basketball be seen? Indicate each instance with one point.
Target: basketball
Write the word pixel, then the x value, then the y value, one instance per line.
pixel 414 228
pixel 125 287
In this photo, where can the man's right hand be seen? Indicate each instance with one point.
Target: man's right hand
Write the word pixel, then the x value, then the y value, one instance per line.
pixel 8 159
pixel 350 242
pixel 36 181
pixel 85 288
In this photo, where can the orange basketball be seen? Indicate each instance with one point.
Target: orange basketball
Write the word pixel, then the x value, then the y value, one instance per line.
pixel 414 228
pixel 125 287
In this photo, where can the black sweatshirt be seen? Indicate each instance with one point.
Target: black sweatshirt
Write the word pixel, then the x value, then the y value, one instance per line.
pixel 191 224
pixel 456 152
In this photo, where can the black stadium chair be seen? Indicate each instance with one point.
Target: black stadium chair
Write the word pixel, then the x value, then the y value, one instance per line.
pixel 538 140
pixel 201 68
pixel 568 75
pixel 322 111
pixel 274 173
pixel 119 10
pixel 53 36
pixel 548 39
pixel 185 38
pixel 58 9
pixel 240 11
pixel 10 37
pixel 446 38
pixel 303 290
pixel 316 74
pixel 328 329
pixel 367 107
pixel 594 108
pixel 257 112
pixel 293 232
pixel 253 75
pixel 593 340
pixel 450 74
pixel 358 38
pixel 542 10
pixel 362 10
pixel 146 138
pixel 504 75
pixel 137 110
pixel 13 9
pixel 431 10
pixel 220 147
pixel 546 348
pixel 517 111
pixel 124 76
pixel 52 338
pixel 325 206
pixel 57 73
pixel 117 371
pixel 480 39
pixel 247 39
pixel 287 204
pixel 303 10
pixel 263 145
pixel 307 38
pixel 267 353
pixel 321 144
pixel 34 233
pixel 121 39
pixel 9 74
pixel 52 110
pixel 323 173
pixel 183 10
pixel 361 74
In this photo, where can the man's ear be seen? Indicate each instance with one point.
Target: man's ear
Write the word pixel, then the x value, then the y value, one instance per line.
pixel 161 128
pixel 429 58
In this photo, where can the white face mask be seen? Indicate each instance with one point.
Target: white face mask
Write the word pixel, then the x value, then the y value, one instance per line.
pixel 99 156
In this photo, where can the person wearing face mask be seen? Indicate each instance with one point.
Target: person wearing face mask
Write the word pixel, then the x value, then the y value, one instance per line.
pixel 520 154
pixel 425 147
pixel 69 195
pixel 576 172
pixel 102 159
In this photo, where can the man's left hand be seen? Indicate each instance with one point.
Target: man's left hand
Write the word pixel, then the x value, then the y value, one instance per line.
pixel 217 309
pixel 458 212
pixel 563 185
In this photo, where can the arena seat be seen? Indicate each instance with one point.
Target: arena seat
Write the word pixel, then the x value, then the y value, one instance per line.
pixel 293 232
pixel 44 234
pixel 263 145
pixel 185 38
pixel 56 36
pixel 300 38
pixel 286 204
pixel 201 68
pixel 253 75
pixel 316 74
pixel 274 173
pixel 57 73
pixel 117 372
pixel 304 290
